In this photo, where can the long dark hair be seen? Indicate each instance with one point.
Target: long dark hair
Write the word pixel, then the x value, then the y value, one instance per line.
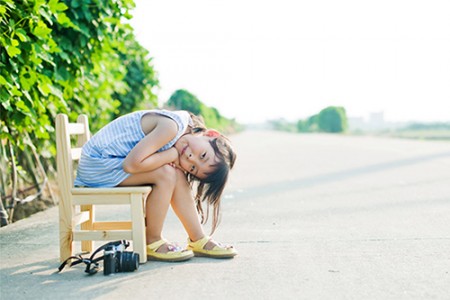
pixel 210 189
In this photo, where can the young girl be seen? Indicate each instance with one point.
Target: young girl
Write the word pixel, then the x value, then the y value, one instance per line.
pixel 169 150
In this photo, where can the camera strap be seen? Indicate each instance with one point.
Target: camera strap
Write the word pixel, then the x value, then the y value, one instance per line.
pixel 91 262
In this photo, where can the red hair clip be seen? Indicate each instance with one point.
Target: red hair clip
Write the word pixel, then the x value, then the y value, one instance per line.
pixel 212 133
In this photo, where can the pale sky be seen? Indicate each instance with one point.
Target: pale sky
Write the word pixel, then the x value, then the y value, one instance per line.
pixel 259 60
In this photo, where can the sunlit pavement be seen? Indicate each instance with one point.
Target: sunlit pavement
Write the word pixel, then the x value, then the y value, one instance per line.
pixel 312 216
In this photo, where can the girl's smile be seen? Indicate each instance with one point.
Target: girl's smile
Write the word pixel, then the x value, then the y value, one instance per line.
pixel 196 155
pixel 183 150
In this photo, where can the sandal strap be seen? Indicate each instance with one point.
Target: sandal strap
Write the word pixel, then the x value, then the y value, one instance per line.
pixel 155 245
pixel 200 243
pixel 218 251
pixel 170 247
pixel 224 246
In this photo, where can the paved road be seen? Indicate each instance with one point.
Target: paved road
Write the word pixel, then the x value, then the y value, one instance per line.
pixel 313 217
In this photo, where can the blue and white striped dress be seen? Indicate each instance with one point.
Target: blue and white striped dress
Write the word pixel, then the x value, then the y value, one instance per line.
pixel 102 156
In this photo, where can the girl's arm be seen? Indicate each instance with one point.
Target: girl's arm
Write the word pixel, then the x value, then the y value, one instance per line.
pixel 143 157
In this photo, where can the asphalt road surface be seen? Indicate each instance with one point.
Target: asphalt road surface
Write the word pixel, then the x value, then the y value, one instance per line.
pixel 313 216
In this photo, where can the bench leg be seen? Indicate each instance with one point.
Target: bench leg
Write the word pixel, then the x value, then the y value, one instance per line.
pixel 65 231
pixel 65 244
pixel 137 219
pixel 87 245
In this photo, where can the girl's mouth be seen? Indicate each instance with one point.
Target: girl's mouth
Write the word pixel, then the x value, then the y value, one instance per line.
pixel 183 150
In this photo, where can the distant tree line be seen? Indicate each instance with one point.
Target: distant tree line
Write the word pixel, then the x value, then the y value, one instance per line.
pixel 184 100
pixel 332 119
pixel 428 126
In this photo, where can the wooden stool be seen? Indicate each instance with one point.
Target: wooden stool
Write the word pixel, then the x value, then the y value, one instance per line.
pixel 76 205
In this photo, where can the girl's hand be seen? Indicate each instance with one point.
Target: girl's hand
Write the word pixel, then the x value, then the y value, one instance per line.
pixel 176 162
pixel 173 165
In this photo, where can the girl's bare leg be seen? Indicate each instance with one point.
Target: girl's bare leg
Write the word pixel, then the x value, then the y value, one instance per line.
pixel 183 205
pixel 163 182
pixel 169 186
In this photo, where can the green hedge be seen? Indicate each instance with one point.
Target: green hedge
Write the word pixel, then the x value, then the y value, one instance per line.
pixel 72 56
pixel 182 99
pixel 331 119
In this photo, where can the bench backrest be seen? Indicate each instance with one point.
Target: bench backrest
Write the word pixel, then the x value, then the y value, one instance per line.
pixel 66 153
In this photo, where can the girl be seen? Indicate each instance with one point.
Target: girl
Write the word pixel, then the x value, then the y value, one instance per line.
pixel 169 150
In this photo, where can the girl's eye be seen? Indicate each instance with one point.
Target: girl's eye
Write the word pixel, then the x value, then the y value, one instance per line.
pixel 203 155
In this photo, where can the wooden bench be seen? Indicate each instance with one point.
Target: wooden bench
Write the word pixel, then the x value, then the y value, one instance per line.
pixel 77 205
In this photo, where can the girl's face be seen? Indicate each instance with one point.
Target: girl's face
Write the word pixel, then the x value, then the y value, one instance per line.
pixel 196 155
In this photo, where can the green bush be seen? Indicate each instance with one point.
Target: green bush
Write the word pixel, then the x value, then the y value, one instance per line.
pixel 332 119
pixel 184 100
pixel 308 125
pixel 72 56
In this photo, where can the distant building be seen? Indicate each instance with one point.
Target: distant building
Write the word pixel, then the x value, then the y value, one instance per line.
pixel 357 123
pixel 375 122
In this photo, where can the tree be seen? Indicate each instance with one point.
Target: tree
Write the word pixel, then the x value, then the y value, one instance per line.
pixel 332 119
pixel 71 56
pixel 184 100
pixel 308 125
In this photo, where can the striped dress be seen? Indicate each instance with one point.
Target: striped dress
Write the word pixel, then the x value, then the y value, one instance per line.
pixel 102 156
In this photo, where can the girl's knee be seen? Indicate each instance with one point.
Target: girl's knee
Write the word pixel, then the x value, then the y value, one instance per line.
pixel 182 181
pixel 181 176
pixel 166 175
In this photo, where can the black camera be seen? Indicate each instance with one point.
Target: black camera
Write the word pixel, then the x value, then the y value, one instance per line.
pixel 117 260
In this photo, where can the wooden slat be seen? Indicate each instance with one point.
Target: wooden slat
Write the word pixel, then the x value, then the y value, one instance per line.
pixel 75 128
pixel 138 219
pixel 99 199
pixel 76 153
pixel 80 217
pixel 83 138
pixel 90 209
pixel 109 191
pixel 116 225
pixel 64 166
pixel 86 235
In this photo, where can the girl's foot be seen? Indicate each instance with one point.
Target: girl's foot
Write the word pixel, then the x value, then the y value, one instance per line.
pixel 207 247
pixel 164 251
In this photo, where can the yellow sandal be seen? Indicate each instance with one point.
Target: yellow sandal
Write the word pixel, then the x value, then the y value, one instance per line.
pixel 173 255
pixel 219 251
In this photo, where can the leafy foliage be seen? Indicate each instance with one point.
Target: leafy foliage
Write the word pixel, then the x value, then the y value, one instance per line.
pixel 72 56
pixel 308 125
pixel 332 119
pixel 184 100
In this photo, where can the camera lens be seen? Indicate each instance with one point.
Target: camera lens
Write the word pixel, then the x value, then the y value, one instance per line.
pixel 128 261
